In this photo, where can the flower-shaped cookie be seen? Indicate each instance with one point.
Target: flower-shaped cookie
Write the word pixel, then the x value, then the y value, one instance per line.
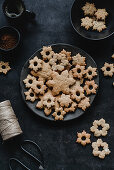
pixel 39 87
pixel 90 87
pixel 84 135
pixel 67 54
pixel 30 95
pixel 78 59
pixel 84 103
pixel 77 93
pixel 29 81
pixel 58 62
pixel 4 67
pixel 65 100
pixel 100 153
pixel 47 100
pixel 90 72
pixel 59 113
pixel 47 53
pixel 105 126
pixel 35 64
pixel 108 69
pixel 78 71
pixel 71 108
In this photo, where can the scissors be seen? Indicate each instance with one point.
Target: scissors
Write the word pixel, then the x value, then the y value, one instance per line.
pixel 39 161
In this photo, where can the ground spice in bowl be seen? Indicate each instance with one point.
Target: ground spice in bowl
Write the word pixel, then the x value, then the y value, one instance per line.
pixel 7 41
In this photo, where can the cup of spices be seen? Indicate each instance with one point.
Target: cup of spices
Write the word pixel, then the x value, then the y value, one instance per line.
pixel 9 39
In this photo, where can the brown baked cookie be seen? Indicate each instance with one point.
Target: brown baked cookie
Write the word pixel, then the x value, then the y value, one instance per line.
pixel 105 126
pixel 47 53
pixel 30 95
pixel 86 137
pixel 84 103
pixel 89 9
pixel 60 82
pixel 90 72
pixel 87 22
pixel 67 54
pixel 77 93
pixel 47 111
pixel 47 100
pixel 39 87
pixel 4 67
pixel 58 62
pixel 59 114
pixel 99 25
pixel 65 100
pixel 78 59
pixel 29 81
pixel 101 14
pixel 71 108
pixel 108 69
pixel 78 71
pixel 35 64
pixel 90 87
pixel 100 153
pixel 44 73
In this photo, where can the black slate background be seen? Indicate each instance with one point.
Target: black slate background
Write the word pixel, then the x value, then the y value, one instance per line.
pixel 57 141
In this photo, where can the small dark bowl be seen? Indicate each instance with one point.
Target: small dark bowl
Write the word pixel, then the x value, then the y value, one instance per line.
pixel 77 14
pixel 13 31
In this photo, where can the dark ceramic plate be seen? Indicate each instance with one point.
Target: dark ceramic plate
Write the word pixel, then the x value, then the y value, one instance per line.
pixel 77 14
pixel 57 48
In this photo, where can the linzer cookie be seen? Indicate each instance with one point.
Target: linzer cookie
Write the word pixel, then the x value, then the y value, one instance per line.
pixel 56 82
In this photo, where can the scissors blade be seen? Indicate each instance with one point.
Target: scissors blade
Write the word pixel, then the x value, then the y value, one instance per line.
pixel 41 167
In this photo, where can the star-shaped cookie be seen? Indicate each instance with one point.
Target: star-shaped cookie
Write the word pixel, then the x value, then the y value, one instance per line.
pixel 60 82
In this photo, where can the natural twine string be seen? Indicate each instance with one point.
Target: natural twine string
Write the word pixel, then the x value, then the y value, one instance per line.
pixel 9 125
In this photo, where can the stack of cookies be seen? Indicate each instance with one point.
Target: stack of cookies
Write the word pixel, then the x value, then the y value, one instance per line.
pixel 57 82
pixel 94 18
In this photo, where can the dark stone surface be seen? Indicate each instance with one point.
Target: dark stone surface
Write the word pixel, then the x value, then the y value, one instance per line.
pixel 57 141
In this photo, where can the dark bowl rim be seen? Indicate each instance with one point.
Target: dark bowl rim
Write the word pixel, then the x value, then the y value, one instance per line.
pixel 18 40
pixel 94 39
pixel 16 17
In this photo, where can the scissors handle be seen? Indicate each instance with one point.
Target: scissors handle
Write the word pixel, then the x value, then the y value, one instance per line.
pixel 40 162
pixel 16 160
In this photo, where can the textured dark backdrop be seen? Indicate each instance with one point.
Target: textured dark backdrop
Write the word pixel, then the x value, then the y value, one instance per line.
pixel 57 141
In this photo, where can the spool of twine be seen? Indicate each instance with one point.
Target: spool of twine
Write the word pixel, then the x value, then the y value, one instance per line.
pixel 9 125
